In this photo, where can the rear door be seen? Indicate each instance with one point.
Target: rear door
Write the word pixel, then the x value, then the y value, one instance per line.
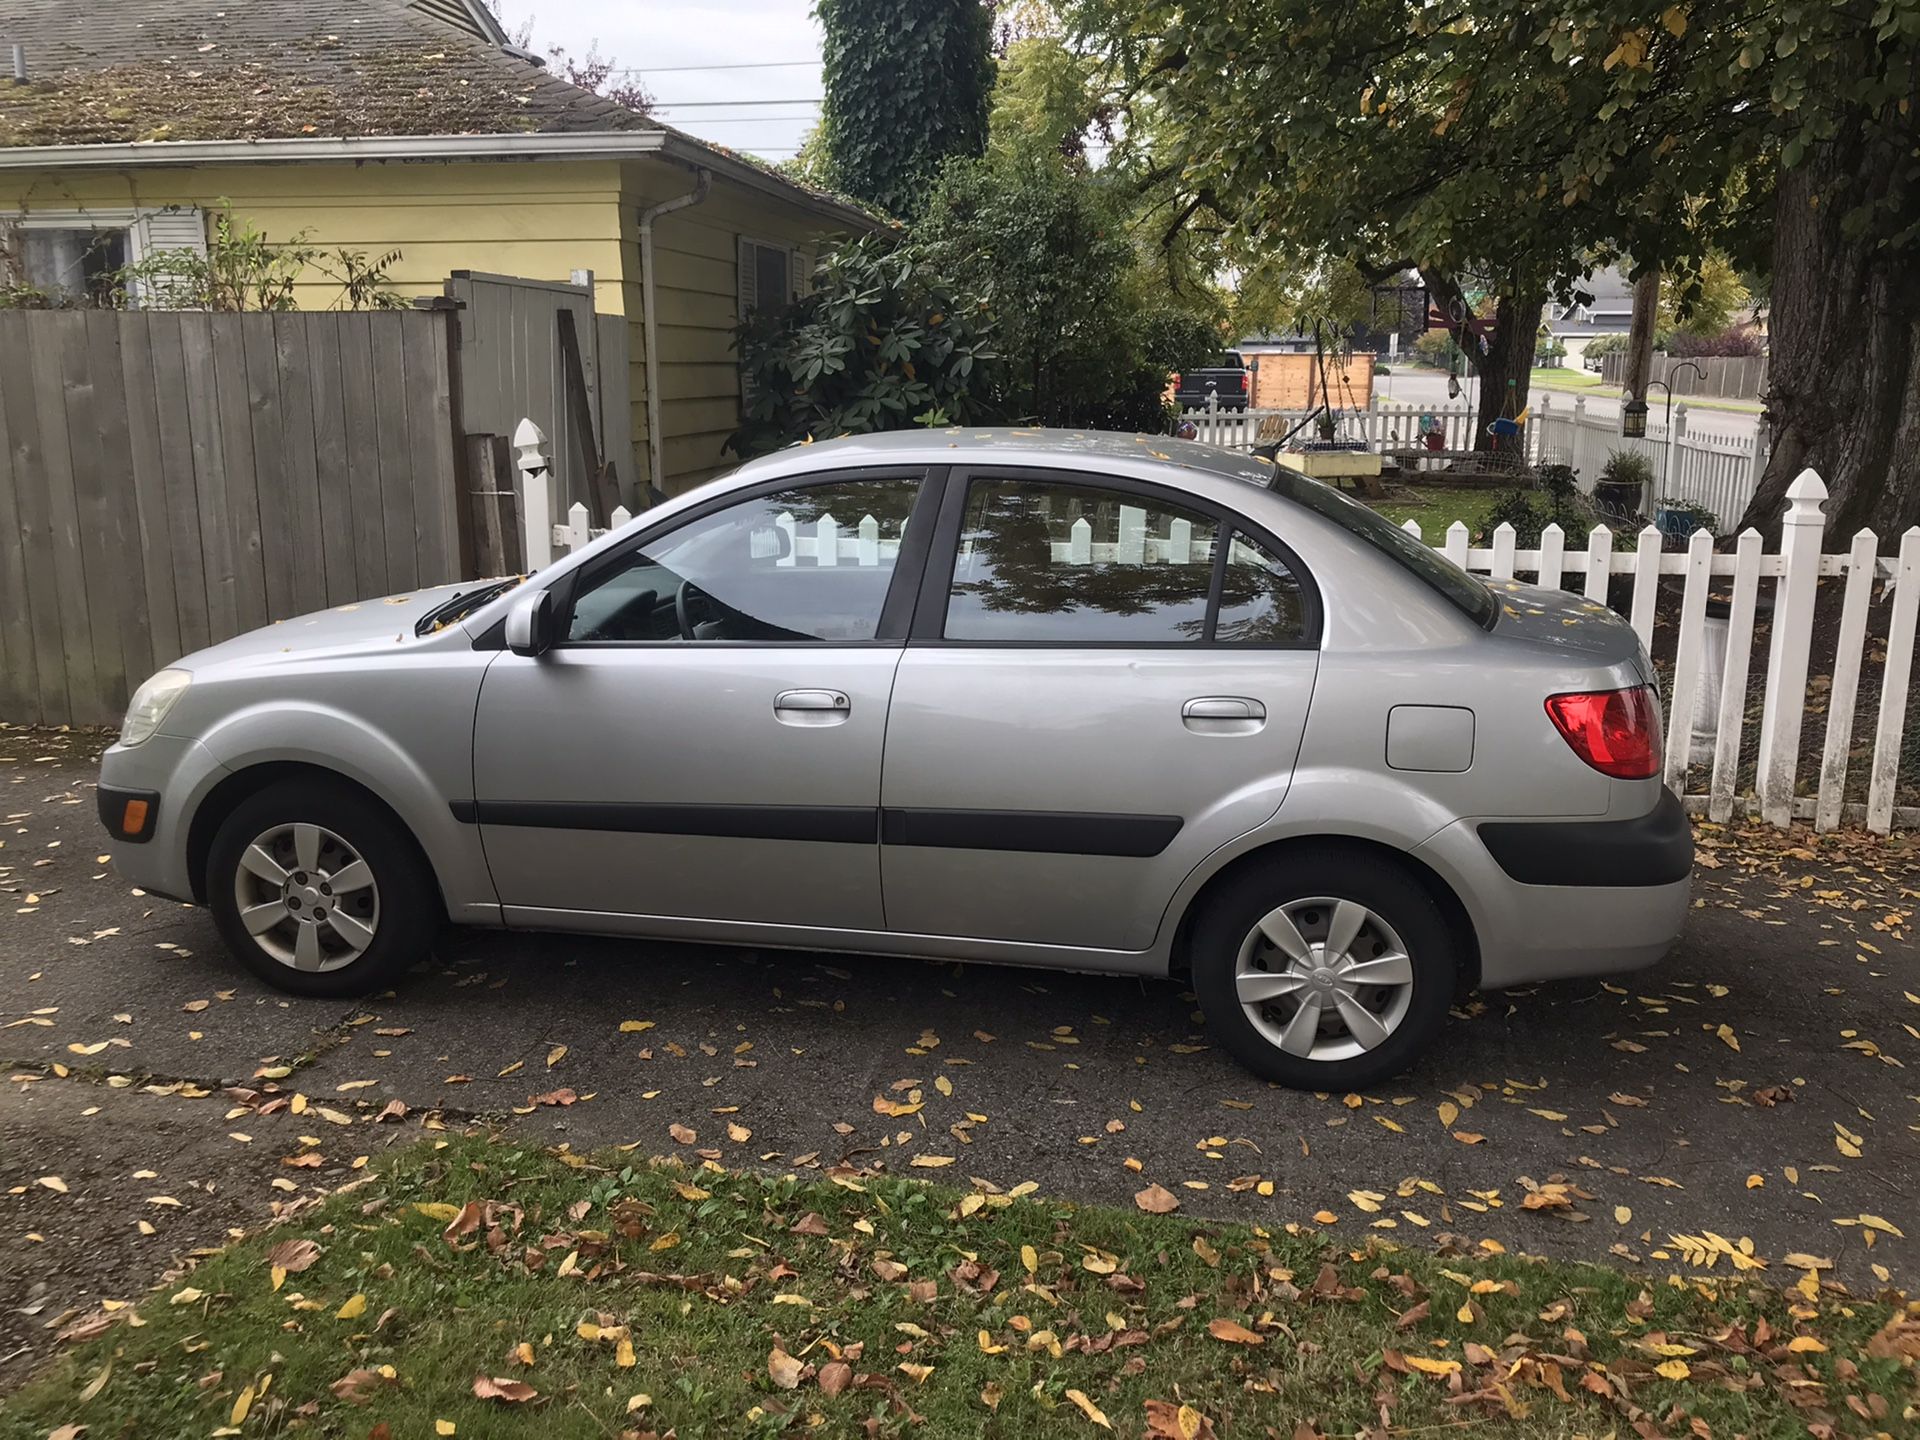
pixel 1106 680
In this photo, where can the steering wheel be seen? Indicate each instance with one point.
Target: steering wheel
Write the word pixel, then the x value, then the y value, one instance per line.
pixel 683 599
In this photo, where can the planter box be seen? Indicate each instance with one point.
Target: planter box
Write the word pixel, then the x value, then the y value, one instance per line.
pixel 1331 464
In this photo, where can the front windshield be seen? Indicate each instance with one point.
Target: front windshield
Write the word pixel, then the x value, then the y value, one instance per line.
pixel 1462 591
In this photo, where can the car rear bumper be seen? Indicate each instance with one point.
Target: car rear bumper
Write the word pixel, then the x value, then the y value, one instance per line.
pixel 1617 897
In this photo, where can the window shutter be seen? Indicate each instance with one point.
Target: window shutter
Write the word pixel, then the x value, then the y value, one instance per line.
pixel 178 227
pixel 802 273
pixel 749 279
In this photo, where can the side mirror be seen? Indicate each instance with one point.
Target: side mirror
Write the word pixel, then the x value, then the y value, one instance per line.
pixel 530 624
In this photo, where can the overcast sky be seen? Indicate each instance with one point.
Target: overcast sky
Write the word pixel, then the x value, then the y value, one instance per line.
pixel 657 37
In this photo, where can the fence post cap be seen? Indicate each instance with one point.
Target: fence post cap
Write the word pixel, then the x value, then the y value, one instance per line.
pixel 526 433
pixel 1805 496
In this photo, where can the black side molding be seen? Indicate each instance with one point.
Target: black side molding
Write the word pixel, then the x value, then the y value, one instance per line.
pixel 1045 832
pixel 1042 832
pixel 1656 849
pixel 115 812
pixel 834 824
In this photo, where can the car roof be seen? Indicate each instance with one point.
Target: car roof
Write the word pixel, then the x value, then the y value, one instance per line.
pixel 1009 445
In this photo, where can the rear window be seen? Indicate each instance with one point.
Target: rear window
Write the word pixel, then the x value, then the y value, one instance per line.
pixel 1466 594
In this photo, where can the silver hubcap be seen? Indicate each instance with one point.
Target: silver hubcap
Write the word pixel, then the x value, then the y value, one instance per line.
pixel 307 897
pixel 1324 979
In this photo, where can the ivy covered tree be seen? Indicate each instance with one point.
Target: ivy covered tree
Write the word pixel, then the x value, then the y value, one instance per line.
pixel 908 85
pixel 1510 147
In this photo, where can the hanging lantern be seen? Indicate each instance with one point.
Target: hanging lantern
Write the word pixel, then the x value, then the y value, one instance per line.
pixel 1633 420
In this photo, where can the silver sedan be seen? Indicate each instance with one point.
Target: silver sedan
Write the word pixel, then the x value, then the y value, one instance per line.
pixel 1078 701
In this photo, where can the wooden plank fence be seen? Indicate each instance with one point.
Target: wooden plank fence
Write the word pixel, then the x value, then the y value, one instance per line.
pixel 172 478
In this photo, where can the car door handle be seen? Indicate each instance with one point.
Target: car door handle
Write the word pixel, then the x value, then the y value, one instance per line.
pixel 1223 715
pixel 811 707
pixel 1223 707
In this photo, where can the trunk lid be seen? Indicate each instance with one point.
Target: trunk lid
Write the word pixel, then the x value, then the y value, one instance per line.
pixel 1566 621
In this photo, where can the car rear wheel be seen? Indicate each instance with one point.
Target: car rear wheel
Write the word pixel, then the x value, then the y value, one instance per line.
pixel 1328 973
pixel 320 892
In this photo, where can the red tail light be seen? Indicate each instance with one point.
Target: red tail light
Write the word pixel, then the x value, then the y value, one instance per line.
pixel 1617 732
pixel 1242 379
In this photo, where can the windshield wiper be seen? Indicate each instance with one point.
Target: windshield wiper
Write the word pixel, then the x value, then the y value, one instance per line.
pixel 463 603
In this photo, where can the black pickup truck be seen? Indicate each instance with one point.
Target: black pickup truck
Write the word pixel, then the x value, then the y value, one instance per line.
pixel 1226 377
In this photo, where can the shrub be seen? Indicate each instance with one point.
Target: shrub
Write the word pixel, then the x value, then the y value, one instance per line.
pixel 1436 348
pixel 1735 340
pixel 883 341
pixel 1531 511
pixel 1627 467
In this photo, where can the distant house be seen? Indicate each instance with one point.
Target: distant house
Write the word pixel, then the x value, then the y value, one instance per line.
pixel 378 125
pixel 1608 312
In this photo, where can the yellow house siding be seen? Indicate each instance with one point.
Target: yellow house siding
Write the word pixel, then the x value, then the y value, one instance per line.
pixel 697 289
pixel 541 220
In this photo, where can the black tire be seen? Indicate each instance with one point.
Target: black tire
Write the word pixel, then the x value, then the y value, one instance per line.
pixel 409 908
pixel 1390 893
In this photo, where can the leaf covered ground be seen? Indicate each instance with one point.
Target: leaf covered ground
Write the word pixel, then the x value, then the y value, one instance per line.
pixel 484 1287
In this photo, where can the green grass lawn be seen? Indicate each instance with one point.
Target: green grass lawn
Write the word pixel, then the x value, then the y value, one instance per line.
pixel 485 1289
pixel 1439 507
pixel 1565 379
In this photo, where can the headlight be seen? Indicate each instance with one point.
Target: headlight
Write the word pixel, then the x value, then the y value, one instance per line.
pixel 150 704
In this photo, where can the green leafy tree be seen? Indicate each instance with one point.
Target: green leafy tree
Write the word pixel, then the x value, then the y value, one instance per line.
pixel 907 86
pixel 882 341
pixel 1517 143
pixel 1088 334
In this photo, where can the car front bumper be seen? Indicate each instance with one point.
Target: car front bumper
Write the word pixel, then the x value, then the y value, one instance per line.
pixel 173 775
pixel 1621 898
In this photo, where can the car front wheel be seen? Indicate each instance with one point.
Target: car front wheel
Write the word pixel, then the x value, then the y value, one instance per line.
pixel 1331 973
pixel 320 892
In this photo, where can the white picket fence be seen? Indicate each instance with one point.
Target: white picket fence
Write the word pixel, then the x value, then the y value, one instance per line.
pixel 1715 469
pixel 1706 709
pixel 1708 695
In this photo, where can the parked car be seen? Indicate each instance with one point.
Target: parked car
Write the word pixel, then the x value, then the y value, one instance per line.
pixel 1226 378
pixel 1068 700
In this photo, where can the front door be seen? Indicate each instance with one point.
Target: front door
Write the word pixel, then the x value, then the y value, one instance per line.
pixel 704 742
pixel 1113 682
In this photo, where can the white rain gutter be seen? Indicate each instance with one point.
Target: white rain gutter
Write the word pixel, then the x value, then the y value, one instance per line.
pixel 650 321
pixel 585 145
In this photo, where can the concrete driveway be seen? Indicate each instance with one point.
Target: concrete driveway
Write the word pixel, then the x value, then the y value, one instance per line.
pixel 1754 1088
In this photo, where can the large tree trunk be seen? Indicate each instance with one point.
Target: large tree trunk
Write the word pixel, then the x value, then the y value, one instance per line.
pixel 1843 387
pixel 1505 368
pixel 1646 317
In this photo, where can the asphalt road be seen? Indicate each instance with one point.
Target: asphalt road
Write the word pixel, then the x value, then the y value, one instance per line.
pixel 1409 385
pixel 1754 1087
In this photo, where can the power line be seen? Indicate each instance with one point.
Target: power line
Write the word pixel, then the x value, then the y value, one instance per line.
pixel 749 119
pixel 733 104
pixel 682 69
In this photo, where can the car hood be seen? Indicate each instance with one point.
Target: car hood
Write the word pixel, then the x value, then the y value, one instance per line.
pixel 362 624
pixel 1566 620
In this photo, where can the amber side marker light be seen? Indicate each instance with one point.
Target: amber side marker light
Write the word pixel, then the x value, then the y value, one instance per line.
pixel 133 819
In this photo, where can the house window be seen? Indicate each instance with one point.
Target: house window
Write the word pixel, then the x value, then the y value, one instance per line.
pixel 72 256
pixel 72 265
pixel 766 275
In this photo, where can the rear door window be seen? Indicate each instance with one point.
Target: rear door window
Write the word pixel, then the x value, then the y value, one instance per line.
pixel 1043 561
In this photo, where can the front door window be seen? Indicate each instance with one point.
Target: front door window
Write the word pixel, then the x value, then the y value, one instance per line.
pixel 808 564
